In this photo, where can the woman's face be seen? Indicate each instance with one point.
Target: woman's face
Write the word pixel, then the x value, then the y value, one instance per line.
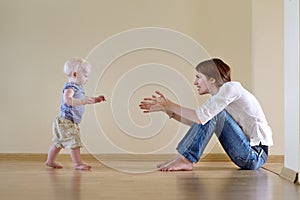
pixel 201 83
pixel 204 85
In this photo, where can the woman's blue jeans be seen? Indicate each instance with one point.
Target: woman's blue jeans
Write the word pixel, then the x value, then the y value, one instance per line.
pixel 232 138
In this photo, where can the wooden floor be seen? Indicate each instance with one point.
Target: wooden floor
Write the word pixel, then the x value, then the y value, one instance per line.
pixel 209 180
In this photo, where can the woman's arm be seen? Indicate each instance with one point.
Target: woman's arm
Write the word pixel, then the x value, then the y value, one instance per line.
pixel 179 118
pixel 161 103
pixel 181 113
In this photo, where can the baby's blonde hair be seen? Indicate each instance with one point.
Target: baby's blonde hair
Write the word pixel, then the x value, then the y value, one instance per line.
pixel 76 64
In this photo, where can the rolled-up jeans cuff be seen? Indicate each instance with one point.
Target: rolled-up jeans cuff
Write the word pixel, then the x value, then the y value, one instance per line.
pixel 187 156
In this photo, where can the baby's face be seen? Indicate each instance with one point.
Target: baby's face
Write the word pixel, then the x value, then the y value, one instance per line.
pixel 82 76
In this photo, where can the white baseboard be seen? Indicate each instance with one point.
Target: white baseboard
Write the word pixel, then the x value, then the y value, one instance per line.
pixel 289 175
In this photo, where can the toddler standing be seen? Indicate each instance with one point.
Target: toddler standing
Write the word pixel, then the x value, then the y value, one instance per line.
pixel 66 132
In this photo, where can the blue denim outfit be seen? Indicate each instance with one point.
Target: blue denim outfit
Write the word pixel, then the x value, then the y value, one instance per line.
pixel 232 138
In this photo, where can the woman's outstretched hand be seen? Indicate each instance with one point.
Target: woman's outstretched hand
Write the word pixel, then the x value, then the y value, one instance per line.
pixel 155 103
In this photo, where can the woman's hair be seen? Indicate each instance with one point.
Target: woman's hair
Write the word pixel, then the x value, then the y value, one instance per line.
pixel 75 65
pixel 215 68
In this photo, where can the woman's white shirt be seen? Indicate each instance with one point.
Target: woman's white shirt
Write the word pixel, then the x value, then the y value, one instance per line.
pixel 244 109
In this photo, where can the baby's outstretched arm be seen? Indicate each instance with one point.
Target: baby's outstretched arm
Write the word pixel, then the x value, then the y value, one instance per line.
pixel 93 100
pixel 69 100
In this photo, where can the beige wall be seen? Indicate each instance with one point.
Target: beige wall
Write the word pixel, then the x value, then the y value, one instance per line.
pixel 38 36
pixel 268 65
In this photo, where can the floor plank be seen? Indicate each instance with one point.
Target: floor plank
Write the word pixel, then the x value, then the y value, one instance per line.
pixel 209 181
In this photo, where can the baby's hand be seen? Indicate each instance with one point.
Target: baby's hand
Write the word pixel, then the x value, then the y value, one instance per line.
pixel 100 99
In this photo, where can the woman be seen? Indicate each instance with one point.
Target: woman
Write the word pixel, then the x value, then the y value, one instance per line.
pixel 231 112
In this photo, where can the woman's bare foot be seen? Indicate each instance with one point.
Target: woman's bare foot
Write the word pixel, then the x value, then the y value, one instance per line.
pixel 82 167
pixel 160 165
pixel 53 165
pixel 177 164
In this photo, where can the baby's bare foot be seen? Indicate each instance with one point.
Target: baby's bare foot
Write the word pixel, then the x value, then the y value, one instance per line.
pixel 82 167
pixel 53 165
pixel 177 164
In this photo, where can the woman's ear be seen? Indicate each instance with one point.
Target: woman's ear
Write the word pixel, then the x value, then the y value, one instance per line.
pixel 212 80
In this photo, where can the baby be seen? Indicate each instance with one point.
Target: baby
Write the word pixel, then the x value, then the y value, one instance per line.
pixel 66 132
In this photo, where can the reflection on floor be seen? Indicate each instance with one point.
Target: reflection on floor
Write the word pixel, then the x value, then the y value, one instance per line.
pixel 209 180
